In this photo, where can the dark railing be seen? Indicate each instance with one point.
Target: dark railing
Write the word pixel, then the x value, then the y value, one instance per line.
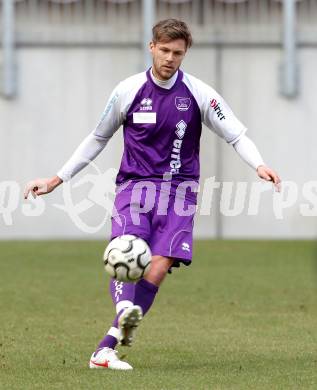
pixel 118 22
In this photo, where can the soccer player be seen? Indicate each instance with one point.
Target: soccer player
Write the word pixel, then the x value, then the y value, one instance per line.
pixel 162 111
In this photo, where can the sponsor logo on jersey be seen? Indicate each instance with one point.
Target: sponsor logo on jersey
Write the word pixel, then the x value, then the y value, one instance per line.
pixel 180 129
pixel 182 103
pixel 146 104
pixel 186 246
pixel 175 162
pixel 144 117
pixel 216 106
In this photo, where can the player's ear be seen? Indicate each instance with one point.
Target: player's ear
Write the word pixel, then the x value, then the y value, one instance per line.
pixel 151 46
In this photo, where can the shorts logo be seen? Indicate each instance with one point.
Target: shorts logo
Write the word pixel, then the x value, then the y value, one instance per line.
pixel 181 128
pixel 185 247
pixel 182 103
pixel 146 104
pixel 216 106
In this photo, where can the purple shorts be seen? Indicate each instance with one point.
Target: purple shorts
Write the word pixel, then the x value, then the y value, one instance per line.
pixel 163 220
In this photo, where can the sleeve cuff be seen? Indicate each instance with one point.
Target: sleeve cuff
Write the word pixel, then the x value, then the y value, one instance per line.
pixel 63 176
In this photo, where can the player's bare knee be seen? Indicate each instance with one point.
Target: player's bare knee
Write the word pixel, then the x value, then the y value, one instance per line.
pixel 161 263
pixel 159 267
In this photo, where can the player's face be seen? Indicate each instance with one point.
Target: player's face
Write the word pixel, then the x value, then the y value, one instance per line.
pixel 167 57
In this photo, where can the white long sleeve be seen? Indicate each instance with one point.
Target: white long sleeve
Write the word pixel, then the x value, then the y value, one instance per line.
pixel 86 152
pixel 112 118
pixel 248 152
pixel 215 112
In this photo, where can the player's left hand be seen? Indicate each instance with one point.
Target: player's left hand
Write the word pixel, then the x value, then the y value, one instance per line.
pixel 268 174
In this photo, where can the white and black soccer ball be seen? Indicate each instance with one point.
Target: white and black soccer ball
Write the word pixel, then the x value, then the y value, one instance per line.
pixel 127 258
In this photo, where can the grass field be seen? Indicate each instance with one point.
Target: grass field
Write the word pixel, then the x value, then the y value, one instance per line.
pixel 243 316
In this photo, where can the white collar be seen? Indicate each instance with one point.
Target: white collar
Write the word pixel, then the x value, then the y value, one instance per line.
pixel 167 84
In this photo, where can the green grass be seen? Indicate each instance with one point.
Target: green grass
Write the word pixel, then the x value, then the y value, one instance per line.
pixel 243 316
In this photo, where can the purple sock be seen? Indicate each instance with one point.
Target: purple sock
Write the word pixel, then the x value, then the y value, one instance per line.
pixel 122 295
pixel 144 294
pixel 121 291
pixel 108 341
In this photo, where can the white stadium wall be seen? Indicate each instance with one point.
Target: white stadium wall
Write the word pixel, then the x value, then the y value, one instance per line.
pixel 70 55
pixel 62 93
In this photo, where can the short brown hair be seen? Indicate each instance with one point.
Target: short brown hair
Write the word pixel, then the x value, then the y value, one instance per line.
pixel 171 29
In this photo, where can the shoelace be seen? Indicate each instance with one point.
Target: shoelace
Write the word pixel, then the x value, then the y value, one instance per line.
pixel 115 353
pixel 119 357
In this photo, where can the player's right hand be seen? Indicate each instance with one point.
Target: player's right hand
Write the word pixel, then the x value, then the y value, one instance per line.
pixel 41 186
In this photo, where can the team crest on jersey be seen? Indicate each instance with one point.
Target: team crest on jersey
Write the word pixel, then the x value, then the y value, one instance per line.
pixel 146 104
pixel 182 103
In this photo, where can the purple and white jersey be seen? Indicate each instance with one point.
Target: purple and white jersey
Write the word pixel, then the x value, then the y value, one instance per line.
pixel 162 128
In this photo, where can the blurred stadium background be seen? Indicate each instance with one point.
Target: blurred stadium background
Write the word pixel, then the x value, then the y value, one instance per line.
pixel 60 59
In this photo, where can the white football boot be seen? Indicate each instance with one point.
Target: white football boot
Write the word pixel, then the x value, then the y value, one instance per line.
pixel 128 322
pixel 107 358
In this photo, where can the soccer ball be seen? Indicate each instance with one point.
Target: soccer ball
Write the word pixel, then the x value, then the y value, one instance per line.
pixel 127 258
